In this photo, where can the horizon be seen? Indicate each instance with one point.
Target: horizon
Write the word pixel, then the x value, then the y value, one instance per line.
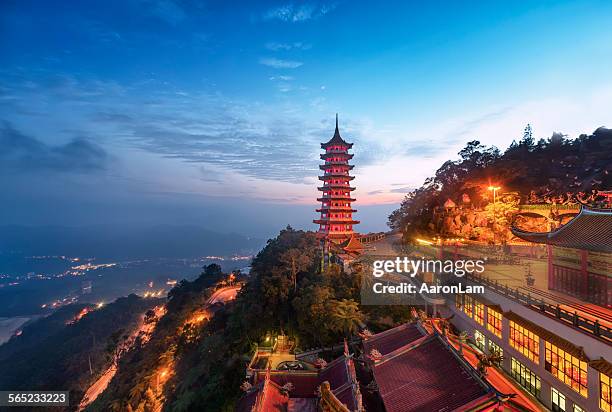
pixel 164 112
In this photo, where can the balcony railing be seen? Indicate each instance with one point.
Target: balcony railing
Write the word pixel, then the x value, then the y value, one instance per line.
pixel 584 324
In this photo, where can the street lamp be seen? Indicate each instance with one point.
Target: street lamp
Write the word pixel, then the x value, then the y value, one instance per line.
pixel 494 189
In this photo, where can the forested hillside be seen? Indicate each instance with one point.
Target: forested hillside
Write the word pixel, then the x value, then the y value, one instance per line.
pixel 206 361
pixel 55 352
pixel 553 170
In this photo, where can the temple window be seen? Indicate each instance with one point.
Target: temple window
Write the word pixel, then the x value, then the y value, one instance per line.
pixel 605 392
pixel 494 322
pixel 467 306
pixel 479 313
pixel 558 401
pixel 525 341
pixel 567 368
pixel 495 348
pixel 479 338
pixel 526 378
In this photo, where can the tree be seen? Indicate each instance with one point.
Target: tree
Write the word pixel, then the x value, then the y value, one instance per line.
pixel 345 317
pixel 295 261
pixel 527 141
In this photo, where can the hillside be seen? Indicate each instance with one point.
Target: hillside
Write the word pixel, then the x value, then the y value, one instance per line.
pixel 553 171
pixel 196 363
pixel 56 351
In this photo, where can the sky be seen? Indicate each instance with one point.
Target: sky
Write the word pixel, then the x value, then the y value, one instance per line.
pixel 144 112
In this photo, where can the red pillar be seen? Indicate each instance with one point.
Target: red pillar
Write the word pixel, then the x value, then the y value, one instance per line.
pixel 551 278
pixel 584 274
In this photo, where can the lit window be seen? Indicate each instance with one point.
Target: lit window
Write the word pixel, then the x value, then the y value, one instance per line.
pixel 578 408
pixel 558 401
pixel 479 312
pixel 567 368
pixel 494 322
pixel 458 300
pixel 479 338
pixel 467 306
pixel 525 341
pixel 605 393
pixel 526 378
pixel 495 348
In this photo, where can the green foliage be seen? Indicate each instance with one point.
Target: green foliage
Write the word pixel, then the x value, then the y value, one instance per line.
pixel 556 165
pixel 51 354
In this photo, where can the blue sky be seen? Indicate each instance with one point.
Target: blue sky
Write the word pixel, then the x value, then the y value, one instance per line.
pixel 210 112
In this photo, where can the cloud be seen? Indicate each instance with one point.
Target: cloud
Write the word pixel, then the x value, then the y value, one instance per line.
pixel 376 192
pixel 288 46
pixel 25 153
pixel 282 78
pixel 280 64
pixel 298 13
pixel 402 190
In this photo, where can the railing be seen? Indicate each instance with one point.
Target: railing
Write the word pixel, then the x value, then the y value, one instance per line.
pixel 549 206
pixel 369 238
pixel 586 325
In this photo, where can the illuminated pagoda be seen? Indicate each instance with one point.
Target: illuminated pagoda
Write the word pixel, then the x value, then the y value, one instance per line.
pixel 336 220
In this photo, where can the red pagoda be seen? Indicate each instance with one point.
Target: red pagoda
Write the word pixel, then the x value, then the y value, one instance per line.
pixel 336 221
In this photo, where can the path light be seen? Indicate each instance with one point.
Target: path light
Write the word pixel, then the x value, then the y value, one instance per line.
pixel 494 189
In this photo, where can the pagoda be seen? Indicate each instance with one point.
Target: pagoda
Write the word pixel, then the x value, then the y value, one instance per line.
pixel 336 220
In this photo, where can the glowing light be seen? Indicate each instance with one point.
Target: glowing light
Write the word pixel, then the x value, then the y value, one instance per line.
pixel 99 305
pixel 424 242
pixel 493 188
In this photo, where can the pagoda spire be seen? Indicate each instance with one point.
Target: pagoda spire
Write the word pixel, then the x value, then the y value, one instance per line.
pixel 337 131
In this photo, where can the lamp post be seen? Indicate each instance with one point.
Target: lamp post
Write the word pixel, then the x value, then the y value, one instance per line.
pixel 494 189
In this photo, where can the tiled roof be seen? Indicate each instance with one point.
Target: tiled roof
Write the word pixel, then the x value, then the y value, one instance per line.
pixel 392 339
pixel 602 366
pixel 336 140
pixel 268 397
pixel 543 333
pixel 336 373
pixel 353 244
pixel 426 377
pixel 591 229
pixel 340 374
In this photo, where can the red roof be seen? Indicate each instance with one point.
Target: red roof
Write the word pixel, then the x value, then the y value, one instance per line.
pixel 392 339
pixel 304 384
pixel 353 244
pixel 426 377
pixel 340 373
pixel 591 229
pixel 268 397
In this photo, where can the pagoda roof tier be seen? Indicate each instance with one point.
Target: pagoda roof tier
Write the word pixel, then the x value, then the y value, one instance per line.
pixel 343 187
pixel 589 230
pixel 329 165
pixel 334 209
pixel 332 176
pixel 329 154
pixel 333 220
pixel 336 139
pixel 335 197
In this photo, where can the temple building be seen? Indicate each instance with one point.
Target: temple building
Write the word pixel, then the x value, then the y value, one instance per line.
pixel 579 255
pixel 295 384
pixel 416 370
pixel 336 213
